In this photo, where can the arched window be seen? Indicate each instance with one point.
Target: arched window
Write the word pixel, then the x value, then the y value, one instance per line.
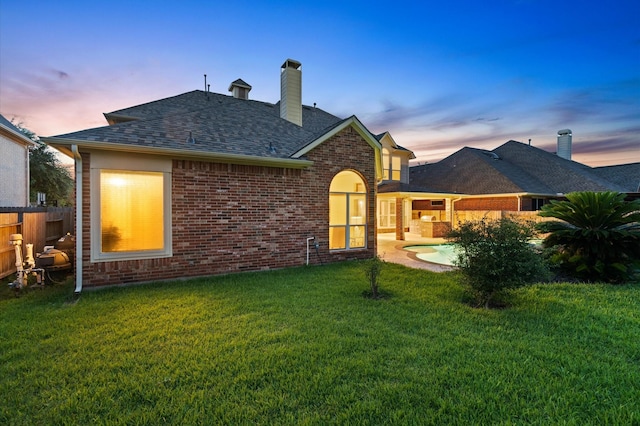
pixel 347 212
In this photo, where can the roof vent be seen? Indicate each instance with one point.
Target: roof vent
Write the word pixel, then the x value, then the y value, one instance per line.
pixel 291 91
pixel 191 139
pixel 564 144
pixel 491 154
pixel 240 89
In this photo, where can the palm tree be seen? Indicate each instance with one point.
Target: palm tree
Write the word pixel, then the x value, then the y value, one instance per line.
pixel 598 235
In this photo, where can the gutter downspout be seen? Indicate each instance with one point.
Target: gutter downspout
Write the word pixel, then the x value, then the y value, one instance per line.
pixel 78 266
pixel 27 183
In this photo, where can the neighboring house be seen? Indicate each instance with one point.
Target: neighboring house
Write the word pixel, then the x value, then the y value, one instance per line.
pixel 14 173
pixel 514 177
pixel 204 183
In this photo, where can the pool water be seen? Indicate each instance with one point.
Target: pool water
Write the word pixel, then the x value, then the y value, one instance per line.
pixel 443 254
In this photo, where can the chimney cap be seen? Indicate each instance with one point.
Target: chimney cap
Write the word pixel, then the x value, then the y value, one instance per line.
pixel 291 63
pixel 564 132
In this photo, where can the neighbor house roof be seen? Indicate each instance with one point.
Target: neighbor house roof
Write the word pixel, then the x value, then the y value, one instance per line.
pixel 16 135
pixel 625 175
pixel 513 167
pixel 200 122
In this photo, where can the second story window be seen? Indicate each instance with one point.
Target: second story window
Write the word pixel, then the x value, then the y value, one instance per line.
pixel 392 165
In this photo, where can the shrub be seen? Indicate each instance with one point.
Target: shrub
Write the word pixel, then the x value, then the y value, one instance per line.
pixel 597 237
pixel 495 256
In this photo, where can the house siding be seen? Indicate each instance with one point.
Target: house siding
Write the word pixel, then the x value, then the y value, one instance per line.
pixel 14 173
pixel 229 218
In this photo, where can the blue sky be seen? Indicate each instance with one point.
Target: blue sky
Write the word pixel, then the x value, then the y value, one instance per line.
pixel 438 75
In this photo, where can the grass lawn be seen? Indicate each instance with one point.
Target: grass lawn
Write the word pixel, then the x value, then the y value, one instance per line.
pixel 303 346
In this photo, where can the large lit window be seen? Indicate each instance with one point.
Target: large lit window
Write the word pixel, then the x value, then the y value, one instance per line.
pixel 130 213
pixel 347 212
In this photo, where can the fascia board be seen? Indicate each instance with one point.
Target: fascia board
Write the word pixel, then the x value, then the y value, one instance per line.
pixel 64 145
pixel 13 135
pixel 351 121
pixel 362 131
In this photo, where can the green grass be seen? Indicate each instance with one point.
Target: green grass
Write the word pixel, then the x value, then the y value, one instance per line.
pixel 303 346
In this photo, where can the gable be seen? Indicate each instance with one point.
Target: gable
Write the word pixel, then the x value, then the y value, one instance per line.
pixel 355 124
pixel 387 141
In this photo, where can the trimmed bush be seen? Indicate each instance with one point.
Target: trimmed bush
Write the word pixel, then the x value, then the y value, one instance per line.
pixel 495 256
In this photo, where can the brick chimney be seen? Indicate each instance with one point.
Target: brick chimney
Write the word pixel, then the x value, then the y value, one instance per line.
pixel 291 91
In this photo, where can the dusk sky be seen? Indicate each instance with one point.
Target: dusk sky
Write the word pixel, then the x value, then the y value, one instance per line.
pixel 438 75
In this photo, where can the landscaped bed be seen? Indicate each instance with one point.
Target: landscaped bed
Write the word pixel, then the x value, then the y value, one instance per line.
pixel 304 346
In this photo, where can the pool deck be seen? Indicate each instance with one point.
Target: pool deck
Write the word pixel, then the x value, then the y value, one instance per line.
pixel 391 250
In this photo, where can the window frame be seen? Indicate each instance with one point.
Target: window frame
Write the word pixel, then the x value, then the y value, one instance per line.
pixel 348 226
pixel 124 164
pixel 388 220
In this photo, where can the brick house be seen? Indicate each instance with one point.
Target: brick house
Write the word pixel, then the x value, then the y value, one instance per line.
pixel 203 183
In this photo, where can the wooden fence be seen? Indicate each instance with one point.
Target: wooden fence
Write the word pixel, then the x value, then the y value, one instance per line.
pixel 40 226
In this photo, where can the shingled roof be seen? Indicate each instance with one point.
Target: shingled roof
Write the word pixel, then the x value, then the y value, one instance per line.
pixel 513 167
pixel 625 175
pixel 201 121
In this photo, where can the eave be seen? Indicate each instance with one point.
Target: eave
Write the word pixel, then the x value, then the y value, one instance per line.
pixel 118 118
pixel 16 137
pixel 64 146
pixel 424 195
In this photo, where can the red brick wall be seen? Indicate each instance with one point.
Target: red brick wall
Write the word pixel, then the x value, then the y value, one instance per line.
pixel 399 219
pixel 502 203
pixel 426 205
pixel 232 218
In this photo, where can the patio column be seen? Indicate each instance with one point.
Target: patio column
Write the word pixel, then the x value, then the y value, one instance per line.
pixel 400 219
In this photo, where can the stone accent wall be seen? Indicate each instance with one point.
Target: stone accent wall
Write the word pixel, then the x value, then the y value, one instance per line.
pixel 231 218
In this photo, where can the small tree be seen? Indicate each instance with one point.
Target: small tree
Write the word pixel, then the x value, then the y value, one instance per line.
pixel 597 237
pixel 372 268
pixel 495 256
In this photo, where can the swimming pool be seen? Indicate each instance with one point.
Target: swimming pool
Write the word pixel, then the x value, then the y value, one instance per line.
pixel 443 254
